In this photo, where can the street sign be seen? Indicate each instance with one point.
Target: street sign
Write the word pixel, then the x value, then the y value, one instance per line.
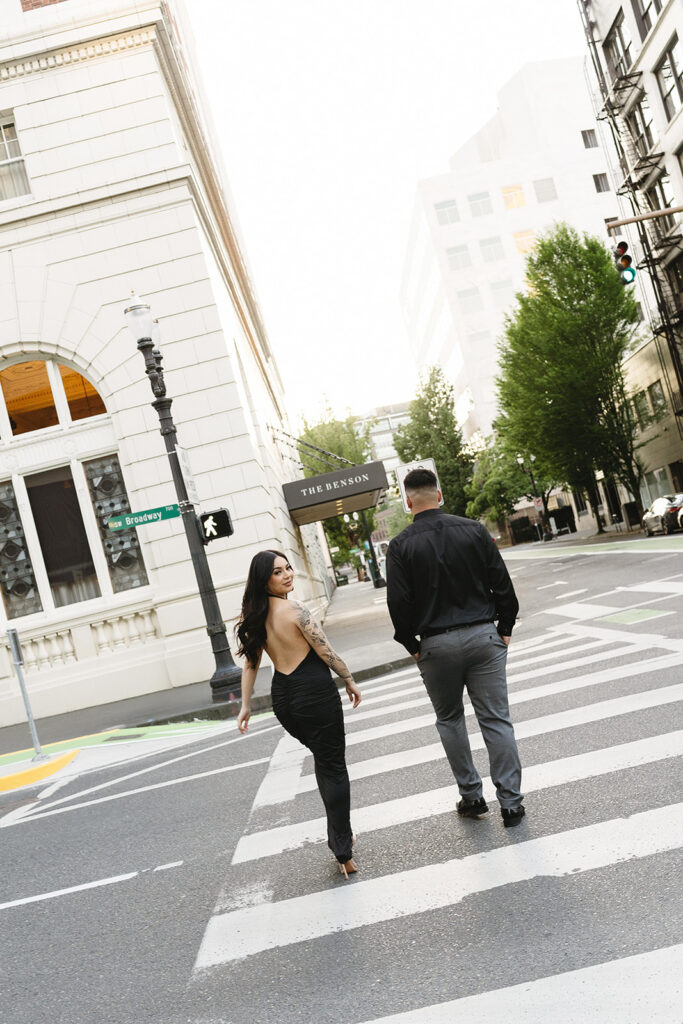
pixel 149 515
pixel 186 473
pixel 216 524
pixel 402 473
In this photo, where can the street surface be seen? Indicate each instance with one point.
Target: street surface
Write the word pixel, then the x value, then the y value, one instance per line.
pixel 188 882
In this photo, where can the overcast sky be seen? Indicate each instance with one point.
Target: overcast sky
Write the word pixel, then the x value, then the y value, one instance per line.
pixel 328 114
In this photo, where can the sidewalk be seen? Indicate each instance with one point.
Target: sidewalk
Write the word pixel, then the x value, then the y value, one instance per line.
pixel 357 623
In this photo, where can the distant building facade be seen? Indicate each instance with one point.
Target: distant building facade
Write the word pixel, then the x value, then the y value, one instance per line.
pixel 109 181
pixel 382 424
pixel 537 161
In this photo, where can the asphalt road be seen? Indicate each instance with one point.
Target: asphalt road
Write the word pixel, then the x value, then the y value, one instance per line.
pixel 192 885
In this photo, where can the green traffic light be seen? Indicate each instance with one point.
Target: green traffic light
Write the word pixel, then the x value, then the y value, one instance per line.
pixel 628 275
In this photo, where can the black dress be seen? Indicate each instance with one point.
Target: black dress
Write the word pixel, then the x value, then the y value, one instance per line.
pixel 307 703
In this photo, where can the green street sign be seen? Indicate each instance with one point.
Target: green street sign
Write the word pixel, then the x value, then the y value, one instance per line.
pixel 149 515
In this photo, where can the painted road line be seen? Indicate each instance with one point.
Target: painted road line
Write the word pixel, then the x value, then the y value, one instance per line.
pixel 73 888
pixel 49 811
pixel 635 647
pixel 667 586
pixel 578 610
pixel 35 774
pixel 391 813
pixel 523 730
pixel 630 616
pixel 284 772
pixel 151 768
pixel 632 990
pixel 571 593
pixel 242 933
pixel 619 672
pixel 556 583
pixel 652 640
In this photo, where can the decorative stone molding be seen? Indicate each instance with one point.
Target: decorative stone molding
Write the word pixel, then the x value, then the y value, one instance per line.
pixel 48 650
pixel 124 630
pixel 78 54
pixel 32 5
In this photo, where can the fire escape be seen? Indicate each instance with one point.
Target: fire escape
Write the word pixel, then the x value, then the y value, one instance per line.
pixel 640 167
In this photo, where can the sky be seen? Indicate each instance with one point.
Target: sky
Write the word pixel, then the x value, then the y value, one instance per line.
pixel 328 114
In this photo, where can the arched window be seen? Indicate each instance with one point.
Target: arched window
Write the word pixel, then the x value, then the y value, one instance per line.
pixel 55 546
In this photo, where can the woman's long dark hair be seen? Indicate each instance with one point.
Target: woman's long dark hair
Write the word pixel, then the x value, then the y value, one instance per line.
pixel 251 628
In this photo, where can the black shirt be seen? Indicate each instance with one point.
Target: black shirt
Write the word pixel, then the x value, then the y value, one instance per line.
pixel 444 571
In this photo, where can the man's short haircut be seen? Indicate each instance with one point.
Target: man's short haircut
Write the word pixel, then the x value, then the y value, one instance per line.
pixel 420 480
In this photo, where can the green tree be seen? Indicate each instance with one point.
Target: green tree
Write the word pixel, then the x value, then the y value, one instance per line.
pixel 561 387
pixel 344 438
pixel 433 432
pixel 499 482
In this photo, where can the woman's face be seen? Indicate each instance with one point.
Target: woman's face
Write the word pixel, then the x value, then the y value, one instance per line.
pixel 281 579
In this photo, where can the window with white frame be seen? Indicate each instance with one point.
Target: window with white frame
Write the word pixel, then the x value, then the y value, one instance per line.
pixel 492 249
pixel 480 204
pixel 13 179
pixel 660 196
pixel 513 197
pixel 617 48
pixel 55 546
pixel 590 138
pixel 639 121
pixel 458 257
pixel 669 74
pixel 524 241
pixel 501 293
pixel 601 182
pixel 545 190
pixel 447 212
pixel 470 301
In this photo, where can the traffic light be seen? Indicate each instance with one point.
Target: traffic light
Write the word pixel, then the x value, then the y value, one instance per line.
pixel 623 261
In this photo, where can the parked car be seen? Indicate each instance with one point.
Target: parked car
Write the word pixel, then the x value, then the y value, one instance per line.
pixel 665 514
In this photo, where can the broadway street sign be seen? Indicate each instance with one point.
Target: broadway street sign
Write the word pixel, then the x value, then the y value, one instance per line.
pixel 149 515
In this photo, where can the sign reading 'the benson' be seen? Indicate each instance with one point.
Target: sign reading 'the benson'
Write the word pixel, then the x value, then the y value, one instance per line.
pixel 328 495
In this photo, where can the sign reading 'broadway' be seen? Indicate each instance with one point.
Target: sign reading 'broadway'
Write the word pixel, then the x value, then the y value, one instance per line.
pixel 150 515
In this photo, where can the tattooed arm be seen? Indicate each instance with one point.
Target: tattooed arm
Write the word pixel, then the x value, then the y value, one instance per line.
pixel 313 633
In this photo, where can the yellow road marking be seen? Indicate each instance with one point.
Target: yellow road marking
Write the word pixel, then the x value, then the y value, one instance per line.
pixel 40 771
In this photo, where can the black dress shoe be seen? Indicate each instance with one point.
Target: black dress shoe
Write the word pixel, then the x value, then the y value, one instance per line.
pixel 472 808
pixel 513 816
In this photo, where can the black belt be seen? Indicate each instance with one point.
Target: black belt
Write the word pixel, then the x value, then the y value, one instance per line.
pixel 449 629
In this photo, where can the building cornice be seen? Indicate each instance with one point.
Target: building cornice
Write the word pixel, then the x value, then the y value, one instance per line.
pixel 64 56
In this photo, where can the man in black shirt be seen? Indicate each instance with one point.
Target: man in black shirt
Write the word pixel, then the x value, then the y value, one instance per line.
pixel 447 583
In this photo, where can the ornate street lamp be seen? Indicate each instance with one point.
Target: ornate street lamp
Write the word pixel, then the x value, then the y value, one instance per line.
pixel 225 681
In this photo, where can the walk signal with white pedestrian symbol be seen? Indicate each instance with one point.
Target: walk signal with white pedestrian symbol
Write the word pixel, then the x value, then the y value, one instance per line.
pixel 624 262
pixel 216 524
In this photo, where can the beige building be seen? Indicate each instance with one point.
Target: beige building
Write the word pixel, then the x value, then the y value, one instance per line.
pixel 109 181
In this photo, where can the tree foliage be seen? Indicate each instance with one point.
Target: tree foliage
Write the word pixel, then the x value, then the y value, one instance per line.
pixel 561 387
pixel 433 432
pixel 499 482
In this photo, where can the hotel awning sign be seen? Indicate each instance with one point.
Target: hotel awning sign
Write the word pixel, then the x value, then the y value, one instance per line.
pixel 335 494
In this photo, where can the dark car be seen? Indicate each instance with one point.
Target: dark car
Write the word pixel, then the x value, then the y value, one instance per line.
pixel 665 514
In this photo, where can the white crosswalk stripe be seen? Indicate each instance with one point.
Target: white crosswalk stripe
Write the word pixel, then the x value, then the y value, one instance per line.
pixel 587 676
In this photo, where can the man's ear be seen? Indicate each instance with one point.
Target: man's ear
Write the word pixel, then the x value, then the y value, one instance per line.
pixel 409 502
pixel 439 496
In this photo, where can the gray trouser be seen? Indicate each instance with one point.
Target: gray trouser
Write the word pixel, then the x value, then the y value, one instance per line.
pixel 473 657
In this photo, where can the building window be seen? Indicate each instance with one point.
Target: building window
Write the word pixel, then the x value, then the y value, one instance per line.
pixel 641 409
pixel 513 196
pixel 657 399
pixel 674 273
pixel 524 241
pixel 660 197
pixel 639 122
pixel 492 249
pixel 646 12
pixel 545 190
pixel 470 300
pixel 590 138
pixel 580 502
pixel 501 293
pixel 601 183
pixel 480 204
pixel 669 74
pixel 13 180
pixel 17 580
pixel 458 257
pixel 618 48
pixel 39 395
pixel 121 547
pixel 447 212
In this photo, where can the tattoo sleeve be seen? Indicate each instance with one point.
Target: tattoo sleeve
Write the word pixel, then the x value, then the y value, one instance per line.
pixel 313 632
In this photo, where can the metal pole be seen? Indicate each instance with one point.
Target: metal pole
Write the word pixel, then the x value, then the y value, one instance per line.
pixel 226 680
pixel 651 215
pixel 379 580
pixel 18 659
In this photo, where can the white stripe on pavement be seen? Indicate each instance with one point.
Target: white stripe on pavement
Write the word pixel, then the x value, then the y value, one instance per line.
pixel 282 778
pixel 242 933
pixel 389 813
pixel 73 888
pixel 596 712
pixel 631 991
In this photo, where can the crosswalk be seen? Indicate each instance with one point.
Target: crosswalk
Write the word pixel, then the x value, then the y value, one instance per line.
pixel 597 717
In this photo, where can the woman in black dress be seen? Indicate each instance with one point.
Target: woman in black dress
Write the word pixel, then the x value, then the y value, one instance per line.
pixel 305 698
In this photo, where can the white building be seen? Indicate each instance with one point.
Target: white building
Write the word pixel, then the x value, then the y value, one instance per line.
pixel 108 182
pixel 382 423
pixel 537 161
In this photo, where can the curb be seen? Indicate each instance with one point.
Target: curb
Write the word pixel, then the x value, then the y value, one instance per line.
pixel 231 709
pixel 32 775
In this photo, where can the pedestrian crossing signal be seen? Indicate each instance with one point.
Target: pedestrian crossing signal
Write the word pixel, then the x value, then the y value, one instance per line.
pixel 624 261
pixel 216 524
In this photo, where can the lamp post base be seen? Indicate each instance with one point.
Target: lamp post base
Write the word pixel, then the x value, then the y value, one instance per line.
pixel 226 683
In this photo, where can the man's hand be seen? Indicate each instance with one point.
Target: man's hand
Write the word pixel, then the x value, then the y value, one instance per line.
pixel 506 639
